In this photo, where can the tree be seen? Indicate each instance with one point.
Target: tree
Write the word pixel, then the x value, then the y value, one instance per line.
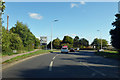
pixel 76 42
pixel 27 37
pixel 16 42
pixel 67 39
pixel 49 45
pixel 2 6
pixel 5 41
pixel 37 43
pixel 115 33
pixel 83 43
pixel 97 43
pixel 67 44
pixel 56 43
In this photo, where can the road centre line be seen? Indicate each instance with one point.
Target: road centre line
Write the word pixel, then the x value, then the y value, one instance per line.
pixel 93 69
pixel 51 64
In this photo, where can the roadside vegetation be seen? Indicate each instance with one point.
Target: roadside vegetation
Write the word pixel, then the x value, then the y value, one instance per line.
pixel 18 38
pixel 17 58
pixel 115 33
pixel 109 54
pixel 77 42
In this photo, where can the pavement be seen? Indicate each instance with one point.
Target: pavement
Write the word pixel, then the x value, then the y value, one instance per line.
pixel 4 58
pixel 83 64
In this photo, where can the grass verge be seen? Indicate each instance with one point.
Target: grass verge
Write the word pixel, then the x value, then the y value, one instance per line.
pixel 25 56
pixel 18 52
pixel 109 54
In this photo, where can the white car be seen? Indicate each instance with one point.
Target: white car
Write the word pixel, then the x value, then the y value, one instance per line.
pixel 101 50
pixel 64 50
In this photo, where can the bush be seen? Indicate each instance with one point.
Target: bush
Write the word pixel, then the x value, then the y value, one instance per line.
pixel 87 49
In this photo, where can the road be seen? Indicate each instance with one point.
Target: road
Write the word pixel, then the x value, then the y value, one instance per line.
pixel 83 64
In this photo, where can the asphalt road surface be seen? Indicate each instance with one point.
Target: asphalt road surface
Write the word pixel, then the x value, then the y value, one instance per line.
pixel 83 64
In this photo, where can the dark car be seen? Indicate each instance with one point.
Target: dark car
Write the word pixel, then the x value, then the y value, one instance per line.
pixel 72 50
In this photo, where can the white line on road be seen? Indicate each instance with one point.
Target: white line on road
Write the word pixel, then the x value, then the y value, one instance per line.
pixel 50 67
pixel 51 64
pixel 54 57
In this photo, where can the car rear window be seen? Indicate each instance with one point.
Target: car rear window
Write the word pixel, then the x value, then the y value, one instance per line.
pixel 64 48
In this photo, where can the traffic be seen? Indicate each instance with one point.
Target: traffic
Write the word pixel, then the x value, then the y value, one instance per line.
pixel 64 49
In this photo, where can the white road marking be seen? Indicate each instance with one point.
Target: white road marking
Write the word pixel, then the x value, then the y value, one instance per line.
pixel 54 57
pixel 94 69
pixel 51 64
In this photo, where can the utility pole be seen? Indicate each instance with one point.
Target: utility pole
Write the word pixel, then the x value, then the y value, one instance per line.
pixel 101 38
pixel 7 21
pixel 51 33
pixel 51 36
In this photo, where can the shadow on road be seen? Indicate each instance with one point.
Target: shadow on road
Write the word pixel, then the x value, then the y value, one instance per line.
pixel 68 71
pixel 77 71
pixel 97 67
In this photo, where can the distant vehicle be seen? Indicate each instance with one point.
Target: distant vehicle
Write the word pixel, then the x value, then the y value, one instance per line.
pixel 72 50
pixel 64 49
pixel 101 50
pixel 77 49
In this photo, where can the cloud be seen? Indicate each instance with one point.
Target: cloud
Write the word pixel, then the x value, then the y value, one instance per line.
pixel 74 5
pixel 82 2
pixel 77 5
pixel 35 16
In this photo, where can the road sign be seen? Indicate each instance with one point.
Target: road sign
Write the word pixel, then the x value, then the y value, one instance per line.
pixel 43 39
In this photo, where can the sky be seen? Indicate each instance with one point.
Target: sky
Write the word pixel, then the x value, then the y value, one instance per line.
pixel 60 0
pixel 81 19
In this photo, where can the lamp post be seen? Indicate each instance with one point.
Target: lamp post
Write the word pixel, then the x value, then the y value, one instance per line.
pixel 101 38
pixel 51 32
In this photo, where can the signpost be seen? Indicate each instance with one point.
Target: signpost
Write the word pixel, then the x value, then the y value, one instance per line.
pixel 43 41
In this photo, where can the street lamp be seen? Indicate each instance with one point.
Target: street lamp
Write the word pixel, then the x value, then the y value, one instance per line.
pixel 101 38
pixel 51 31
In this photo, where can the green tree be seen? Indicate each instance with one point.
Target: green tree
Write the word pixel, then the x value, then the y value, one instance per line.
pixel 10 41
pixel 67 39
pixel 27 37
pixel 6 41
pixel 97 43
pixel 56 43
pixel 67 44
pixel 76 41
pixel 83 43
pixel 2 6
pixel 37 43
pixel 16 42
pixel 115 33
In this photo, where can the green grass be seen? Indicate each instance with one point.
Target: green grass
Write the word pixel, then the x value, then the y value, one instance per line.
pixel 109 54
pixel 25 56
pixel 11 53
pixel 110 51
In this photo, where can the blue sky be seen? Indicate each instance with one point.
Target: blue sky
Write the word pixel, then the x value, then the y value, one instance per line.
pixel 75 18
